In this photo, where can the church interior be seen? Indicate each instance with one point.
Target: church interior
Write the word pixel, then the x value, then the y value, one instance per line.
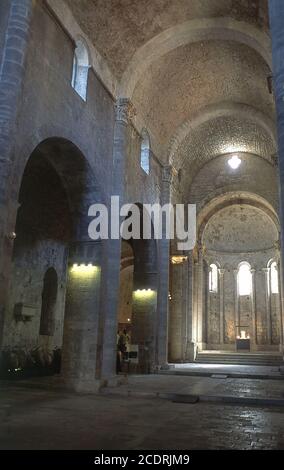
pixel 157 102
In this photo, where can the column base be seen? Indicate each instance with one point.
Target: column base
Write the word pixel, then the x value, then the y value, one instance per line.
pixel 80 385
pixel 191 352
pixel 114 381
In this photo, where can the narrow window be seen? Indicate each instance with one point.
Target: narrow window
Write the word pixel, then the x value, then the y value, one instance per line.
pixel 244 279
pixel 213 278
pixel 274 285
pixel 80 69
pixel 145 152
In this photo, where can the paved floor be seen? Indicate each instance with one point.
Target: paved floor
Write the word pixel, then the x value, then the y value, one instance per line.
pixel 231 370
pixel 191 385
pixel 32 418
pixel 36 419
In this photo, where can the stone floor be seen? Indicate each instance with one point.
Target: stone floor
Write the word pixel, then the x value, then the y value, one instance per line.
pixel 32 418
pixel 205 386
pixel 231 370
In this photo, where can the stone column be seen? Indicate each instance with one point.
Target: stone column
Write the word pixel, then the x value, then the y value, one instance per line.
pixel 254 338
pixel 163 277
pixel 200 299
pixel 281 306
pixel 267 304
pixel 190 349
pixel 17 15
pixel 221 297
pixel 124 112
pixel 237 309
pixel 81 317
pixel 276 12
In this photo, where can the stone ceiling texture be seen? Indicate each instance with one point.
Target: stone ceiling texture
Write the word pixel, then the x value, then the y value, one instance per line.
pixel 196 75
pixel 238 226
pixel 118 28
pixel 189 76
pixel 218 137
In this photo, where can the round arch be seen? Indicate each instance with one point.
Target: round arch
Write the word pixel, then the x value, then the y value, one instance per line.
pixel 192 31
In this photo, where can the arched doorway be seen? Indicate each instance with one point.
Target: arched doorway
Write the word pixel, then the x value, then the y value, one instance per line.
pixel 138 296
pixel 57 188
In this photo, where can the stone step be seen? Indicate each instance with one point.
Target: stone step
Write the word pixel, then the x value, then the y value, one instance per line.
pixel 240 359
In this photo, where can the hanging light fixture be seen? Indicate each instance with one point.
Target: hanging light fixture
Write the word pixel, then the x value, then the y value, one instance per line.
pixel 234 162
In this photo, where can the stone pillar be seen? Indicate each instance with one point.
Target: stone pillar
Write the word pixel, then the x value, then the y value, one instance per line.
pixel 144 309
pixel 191 348
pixel 254 338
pixel 281 306
pixel 179 312
pixel 276 12
pixel 200 299
pixel 221 297
pixel 112 248
pixel 163 277
pixel 18 14
pixel 263 323
pixel 237 309
pixel 81 317
pixel 267 304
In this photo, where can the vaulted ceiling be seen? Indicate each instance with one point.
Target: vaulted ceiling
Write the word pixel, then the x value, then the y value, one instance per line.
pixel 196 70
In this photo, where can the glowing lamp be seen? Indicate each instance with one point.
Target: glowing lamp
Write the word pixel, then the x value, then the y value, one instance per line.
pixel 234 162
pixel 84 269
pixel 143 293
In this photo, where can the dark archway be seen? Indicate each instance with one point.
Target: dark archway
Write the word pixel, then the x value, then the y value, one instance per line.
pixel 57 188
pixel 139 273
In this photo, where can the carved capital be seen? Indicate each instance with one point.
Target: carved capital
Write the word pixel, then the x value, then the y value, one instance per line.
pixel 124 110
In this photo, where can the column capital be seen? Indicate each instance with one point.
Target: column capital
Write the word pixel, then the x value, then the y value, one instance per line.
pixel 221 271
pixel 167 174
pixel 265 270
pixel 124 110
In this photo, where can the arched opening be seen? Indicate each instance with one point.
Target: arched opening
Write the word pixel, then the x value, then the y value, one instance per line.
pixel 49 297
pixel 273 278
pixel 244 302
pixel 138 296
pixel 80 69
pixel 145 152
pixel 57 188
pixel 244 279
pixel 213 278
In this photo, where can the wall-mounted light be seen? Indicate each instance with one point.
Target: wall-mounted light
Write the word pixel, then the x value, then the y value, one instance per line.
pixel 144 293
pixel 84 269
pixel 234 162
pixel 12 236
pixel 178 259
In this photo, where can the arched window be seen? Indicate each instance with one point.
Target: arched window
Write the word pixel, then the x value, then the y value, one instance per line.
pixel 273 282
pixel 145 152
pixel 80 69
pixel 213 278
pixel 49 296
pixel 244 279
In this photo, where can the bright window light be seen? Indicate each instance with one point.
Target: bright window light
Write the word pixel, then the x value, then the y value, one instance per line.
pixel 274 278
pixel 234 162
pixel 213 278
pixel 244 279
